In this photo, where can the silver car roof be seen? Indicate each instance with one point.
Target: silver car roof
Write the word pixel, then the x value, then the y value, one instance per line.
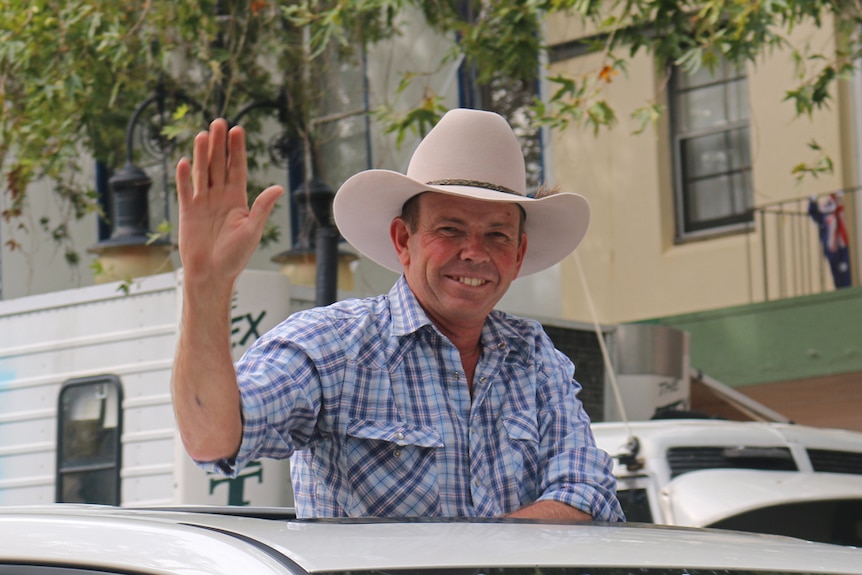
pixel 185 541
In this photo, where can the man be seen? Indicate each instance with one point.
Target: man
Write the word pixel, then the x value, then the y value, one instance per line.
pixel 422 402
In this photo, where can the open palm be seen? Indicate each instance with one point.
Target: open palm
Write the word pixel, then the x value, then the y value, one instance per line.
pixel 217 231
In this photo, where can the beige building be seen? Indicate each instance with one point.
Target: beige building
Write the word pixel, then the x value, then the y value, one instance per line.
pixel 699 222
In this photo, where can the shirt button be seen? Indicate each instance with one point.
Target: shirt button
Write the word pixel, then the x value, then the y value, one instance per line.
pixel 456 375
pixel 399 435
pixel 501 345
pixel 397 453
pixel 483 379
pixel 476 482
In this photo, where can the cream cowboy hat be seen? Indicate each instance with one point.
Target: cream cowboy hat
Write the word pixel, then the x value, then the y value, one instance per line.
pixel 469 153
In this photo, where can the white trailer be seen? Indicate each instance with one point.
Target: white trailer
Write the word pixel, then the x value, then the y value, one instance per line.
pixel 85 406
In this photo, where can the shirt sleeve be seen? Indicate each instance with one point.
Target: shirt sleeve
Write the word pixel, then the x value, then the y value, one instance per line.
pixel 576 471
pixel 280 396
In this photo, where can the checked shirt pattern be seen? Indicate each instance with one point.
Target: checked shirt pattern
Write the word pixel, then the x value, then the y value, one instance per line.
pixel 370 401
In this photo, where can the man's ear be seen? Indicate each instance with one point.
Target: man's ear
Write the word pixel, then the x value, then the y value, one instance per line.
pixel 400 233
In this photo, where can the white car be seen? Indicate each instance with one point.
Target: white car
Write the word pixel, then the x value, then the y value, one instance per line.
pixel 96 540
pixel 775 478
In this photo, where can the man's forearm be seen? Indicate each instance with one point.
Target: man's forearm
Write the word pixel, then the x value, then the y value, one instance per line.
pixel 204 386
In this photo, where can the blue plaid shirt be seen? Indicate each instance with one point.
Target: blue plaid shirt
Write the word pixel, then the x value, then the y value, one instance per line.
pixel 371 402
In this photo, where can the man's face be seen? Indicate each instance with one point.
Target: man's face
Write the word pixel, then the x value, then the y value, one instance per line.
pixel 461 258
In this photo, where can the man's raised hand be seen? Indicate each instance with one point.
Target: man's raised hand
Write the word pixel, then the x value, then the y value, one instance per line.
pixel 217 231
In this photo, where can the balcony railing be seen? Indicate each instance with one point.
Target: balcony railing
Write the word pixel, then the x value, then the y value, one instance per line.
pixel 786 255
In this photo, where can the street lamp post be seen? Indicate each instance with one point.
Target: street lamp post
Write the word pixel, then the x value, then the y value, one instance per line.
pixel 143 252
pixel 316 244
pixel 132 250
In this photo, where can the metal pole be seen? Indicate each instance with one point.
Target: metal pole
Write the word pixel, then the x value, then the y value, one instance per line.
pixel 326 251
pixel 763 254
pixel 779 238
pixel 749 266
pixel 856 214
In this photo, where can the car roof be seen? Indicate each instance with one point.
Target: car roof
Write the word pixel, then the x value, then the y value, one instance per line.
pixel 188 541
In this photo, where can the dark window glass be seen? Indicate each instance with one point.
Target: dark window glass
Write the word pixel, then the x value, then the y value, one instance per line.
pixel 88 441
pixel 686 459
pixel 635 504
pixel 713 186
pixel 834 461
pixel 509 97
pixel 835 521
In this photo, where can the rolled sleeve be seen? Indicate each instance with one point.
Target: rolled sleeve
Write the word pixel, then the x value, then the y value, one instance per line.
pixel 577 472
pixel 583 478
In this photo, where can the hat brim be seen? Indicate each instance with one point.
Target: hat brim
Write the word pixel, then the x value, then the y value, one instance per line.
pixel 366 204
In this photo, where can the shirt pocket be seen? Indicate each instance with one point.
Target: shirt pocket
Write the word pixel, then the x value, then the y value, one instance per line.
pixel 392 469
pixel 521 454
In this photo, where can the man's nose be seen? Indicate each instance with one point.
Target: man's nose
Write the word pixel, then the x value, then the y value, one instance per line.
pixel 475 248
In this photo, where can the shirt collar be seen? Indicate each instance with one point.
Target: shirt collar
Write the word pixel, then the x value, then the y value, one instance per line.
pixel 407 315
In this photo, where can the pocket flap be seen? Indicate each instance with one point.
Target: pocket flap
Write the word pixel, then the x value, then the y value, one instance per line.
pixel 521 426
pixel 395 432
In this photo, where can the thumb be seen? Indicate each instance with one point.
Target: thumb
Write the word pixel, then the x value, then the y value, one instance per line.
pixel 264 204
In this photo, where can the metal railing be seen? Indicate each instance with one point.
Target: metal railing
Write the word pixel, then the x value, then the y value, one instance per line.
pixel 785 251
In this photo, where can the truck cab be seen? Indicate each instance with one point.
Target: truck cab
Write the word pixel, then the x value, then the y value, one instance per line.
pixel 750 476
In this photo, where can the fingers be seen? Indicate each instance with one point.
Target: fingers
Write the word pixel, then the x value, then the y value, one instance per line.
pixel 209 167
pixel 237 169
pixel 200 168
pixel 220 159
pixel 217 152
pixel 184 181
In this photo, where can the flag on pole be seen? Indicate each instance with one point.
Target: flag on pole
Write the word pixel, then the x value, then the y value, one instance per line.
pixel 828 213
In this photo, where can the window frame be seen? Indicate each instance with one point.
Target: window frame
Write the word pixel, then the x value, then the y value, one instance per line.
pixel 63 467
pixel 687 229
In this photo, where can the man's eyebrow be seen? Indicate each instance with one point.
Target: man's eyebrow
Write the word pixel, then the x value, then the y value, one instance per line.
pixel 462 220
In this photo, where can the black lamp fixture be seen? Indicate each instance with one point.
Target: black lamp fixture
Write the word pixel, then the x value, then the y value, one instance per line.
pixel 131 240
pixel 316 242
pixel 130 218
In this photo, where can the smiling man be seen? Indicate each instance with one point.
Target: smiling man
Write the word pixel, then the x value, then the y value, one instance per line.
pixel 425 401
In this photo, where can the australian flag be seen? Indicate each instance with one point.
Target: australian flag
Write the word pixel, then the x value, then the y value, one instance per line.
pixel 828 212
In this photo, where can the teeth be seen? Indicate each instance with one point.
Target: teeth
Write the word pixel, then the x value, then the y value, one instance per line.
pixel 473 282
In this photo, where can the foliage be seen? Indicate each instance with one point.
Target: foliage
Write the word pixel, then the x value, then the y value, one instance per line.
pixel 73 71
pixel 692 34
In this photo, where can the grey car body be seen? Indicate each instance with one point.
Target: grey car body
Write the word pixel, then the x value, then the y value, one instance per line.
pixel 82 539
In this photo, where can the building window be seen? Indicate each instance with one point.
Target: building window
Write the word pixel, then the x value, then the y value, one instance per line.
pixel 509 97
pixel 712 155
pixel 89 426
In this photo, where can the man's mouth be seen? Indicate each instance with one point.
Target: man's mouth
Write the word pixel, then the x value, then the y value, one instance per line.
pixel 472 282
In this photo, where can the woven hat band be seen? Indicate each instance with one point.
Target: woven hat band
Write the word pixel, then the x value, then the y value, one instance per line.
pixel 474 184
